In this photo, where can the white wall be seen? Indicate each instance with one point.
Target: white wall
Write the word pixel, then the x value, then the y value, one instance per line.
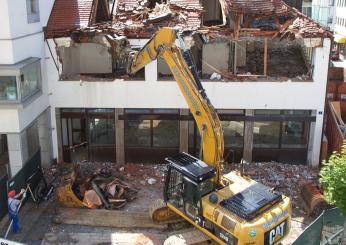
pixel 224 95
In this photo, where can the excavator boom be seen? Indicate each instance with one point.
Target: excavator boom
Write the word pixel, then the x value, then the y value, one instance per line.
pixel 162 44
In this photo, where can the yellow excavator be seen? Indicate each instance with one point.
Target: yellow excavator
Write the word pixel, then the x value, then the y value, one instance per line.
pixel 230 208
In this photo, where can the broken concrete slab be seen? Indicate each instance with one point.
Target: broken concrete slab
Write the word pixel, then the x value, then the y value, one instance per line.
pixel 105 218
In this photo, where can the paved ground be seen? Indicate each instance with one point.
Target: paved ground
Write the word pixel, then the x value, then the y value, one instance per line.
pixel 38 221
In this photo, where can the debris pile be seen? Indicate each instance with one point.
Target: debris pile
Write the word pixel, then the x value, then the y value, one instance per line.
pixel 286 178
pixel 100 188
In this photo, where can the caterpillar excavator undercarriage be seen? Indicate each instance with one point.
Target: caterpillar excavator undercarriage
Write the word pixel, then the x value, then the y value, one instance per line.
pixel 230 208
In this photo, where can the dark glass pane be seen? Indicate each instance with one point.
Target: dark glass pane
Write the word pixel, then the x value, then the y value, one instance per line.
pixel 8 88
pixel 266 134
pixel 233 133
pixel 137 133
pixel 76 123
pixel 72 110
pixel 165 111
pixel 137 111
pixel 165 133
pixel 294 134
pixel 101 110
pixel 101 131
pixel 267 112
pixel 297 112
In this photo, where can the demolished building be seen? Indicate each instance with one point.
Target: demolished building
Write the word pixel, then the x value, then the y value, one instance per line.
pixel 264 65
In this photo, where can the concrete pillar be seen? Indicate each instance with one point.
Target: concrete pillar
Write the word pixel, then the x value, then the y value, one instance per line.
pixel 314 146
pixel 248 137
pixel 119 137
pixel 17 151
pixel 184 132
pixel 45 137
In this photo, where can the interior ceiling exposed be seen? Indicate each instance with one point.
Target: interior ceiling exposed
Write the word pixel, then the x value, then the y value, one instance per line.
pixel 141 18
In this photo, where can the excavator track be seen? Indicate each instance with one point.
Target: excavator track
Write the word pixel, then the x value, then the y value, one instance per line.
pixel 160 213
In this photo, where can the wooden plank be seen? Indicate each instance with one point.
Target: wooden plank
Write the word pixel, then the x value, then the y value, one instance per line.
pixel 116 238
pixel 105 218
pixel 265 62
pixel 187 237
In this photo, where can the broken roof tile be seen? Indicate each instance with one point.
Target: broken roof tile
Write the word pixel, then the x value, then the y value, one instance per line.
pixel 258 7
pixel 67 15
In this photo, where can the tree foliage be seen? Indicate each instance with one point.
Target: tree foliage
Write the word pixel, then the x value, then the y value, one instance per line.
pixel 333 179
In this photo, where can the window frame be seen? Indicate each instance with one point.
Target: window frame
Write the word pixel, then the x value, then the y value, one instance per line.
pixel 16 70
pixel 33 16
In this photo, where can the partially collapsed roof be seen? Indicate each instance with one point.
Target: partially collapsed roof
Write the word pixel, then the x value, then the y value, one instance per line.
pixel 141 18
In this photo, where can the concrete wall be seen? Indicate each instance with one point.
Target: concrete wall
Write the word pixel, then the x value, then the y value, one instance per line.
pixel 284 95
pixel 215 55
pixel 86 58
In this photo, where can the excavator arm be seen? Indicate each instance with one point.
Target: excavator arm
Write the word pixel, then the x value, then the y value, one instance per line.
pixel 179 60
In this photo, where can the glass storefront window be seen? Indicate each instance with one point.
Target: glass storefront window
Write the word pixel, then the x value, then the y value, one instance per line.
pixel 165 133
pixel 233 133
pixel 266 134
pixel 137 133
pixel 8 88
pixel 101 131
pixel 294 134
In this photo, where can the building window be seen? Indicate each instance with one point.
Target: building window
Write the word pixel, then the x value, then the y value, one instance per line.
pixel 266 134
pixel 307 11
pixel 8 88
pixel 151 134
pixel 88 134
pixel 233 132
pixel 33 13
pixel 102 131
pixel 232 122
pixel 20 81
pixel 138 133
pixel 294 134
pixel 281 133
pixel 30 80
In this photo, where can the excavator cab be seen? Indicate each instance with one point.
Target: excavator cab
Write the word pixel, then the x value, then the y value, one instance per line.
pixel 188 180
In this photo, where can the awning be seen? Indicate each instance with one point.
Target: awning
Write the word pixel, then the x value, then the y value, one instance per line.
pixel 339 38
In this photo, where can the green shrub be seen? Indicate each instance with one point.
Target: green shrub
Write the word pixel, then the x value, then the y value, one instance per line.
pixel 333 179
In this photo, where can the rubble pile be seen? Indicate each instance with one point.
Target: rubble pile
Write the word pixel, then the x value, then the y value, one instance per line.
pixel 136 15
pixel 95 186
pixel 286 178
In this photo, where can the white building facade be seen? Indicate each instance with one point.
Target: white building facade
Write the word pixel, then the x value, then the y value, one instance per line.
pixel 142 119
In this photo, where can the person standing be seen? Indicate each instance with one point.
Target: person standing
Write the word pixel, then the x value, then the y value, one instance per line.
pixel 14 202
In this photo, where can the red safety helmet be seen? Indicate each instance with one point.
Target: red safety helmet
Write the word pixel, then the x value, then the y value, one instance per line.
pixel 11 194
